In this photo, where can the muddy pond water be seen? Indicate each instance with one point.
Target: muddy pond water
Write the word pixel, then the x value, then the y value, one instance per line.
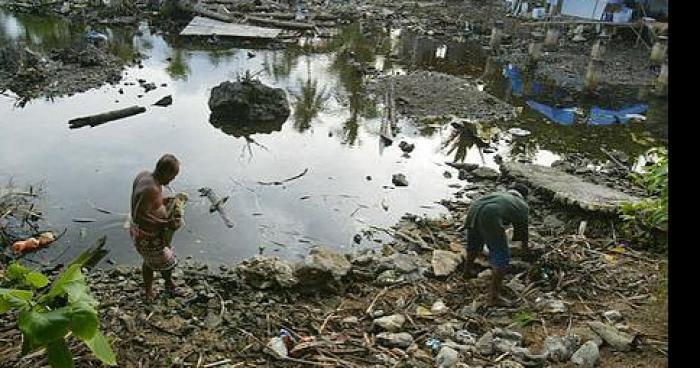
pixel 333 132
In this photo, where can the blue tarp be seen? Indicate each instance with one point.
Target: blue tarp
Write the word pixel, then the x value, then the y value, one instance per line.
pixel 565 115
pixel 516 82
pixel 517 86
pixel 601 116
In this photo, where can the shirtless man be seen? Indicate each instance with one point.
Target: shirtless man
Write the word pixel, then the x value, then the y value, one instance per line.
pixel 149 219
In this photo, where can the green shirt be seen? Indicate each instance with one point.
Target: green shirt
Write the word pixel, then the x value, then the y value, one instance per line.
pixel 511 208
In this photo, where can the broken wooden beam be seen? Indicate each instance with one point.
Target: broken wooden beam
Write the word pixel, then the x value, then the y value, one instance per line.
pixel 280 23
pixel 216 204
pixel 98 119
pixel 214 15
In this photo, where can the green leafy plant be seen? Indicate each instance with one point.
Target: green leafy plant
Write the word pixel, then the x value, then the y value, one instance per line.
pixel 646 222
pixel 46 320
pixel 524 318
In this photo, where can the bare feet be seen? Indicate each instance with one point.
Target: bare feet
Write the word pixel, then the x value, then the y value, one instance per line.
pixel 150 295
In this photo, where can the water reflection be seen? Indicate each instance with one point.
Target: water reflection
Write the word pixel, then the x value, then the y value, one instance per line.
pixel 178 68
pixel 308 103
pixel 464 136
pixel 353 46
pixel 237 127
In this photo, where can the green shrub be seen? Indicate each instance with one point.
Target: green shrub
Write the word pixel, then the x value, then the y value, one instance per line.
pixel 46 320
pixel 646 222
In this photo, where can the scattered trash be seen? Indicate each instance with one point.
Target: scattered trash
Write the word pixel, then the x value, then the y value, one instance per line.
pixel 433 343
pixel 31 244
pixel 519 132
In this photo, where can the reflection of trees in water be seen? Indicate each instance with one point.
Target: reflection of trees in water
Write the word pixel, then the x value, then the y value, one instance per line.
pixel 308 103
pixel 279 64
pixel 460 141
pixel 217 56
pixel 41 33
pixel 352 45
pixel 121 43
pixel 178 67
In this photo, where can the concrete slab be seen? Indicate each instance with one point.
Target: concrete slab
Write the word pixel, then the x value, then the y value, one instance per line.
pixel 569 189
pixel 201 26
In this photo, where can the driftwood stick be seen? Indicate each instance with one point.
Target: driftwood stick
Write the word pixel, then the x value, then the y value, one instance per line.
pixel 98 119
pixel 285 180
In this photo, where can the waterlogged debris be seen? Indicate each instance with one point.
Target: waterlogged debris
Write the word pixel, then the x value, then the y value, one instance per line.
pixel 217 204
pixel 519 132
pixel 399 180
pixel 32 243
pixel 95 120
pixel 165 101
pixel 84 219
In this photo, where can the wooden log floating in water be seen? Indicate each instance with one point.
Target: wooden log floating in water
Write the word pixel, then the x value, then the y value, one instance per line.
pixel 95 120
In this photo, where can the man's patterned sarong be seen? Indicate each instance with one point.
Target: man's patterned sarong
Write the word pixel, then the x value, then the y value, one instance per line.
pixel 156 254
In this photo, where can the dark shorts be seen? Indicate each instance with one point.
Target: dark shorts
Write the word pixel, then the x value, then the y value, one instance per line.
pixel 489 229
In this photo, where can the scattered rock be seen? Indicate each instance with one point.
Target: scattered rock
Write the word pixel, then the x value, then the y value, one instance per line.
pixel 388 277
pixel 322 268
pixel 400 262
pixel 465 337
pixel 485 345
pixel 586 334
pixel 401 340
pixel 248 101
pixel 165 101
pixel 391 323
pixel 263 272
pixel 445 262
pixel 587 355
pixel 619 340
pixel 447 175
pixel 149 87
pixel 510 364
pixel 445 331
pixel 407 147
pixel 560 349
pixel 439 308
pixel 447 357
pixel 463 174
pixel 399 180
pixel 613 316
pixel 357 238
pixel 515 336
pixel 486 173
pixel 551 305
pixel 352 320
